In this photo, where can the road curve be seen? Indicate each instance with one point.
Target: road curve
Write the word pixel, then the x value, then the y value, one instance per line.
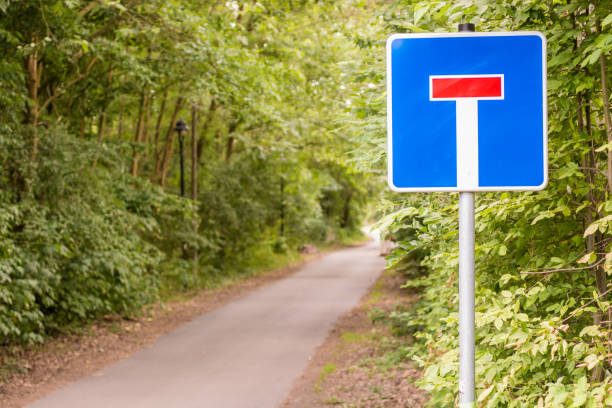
pixel 243 355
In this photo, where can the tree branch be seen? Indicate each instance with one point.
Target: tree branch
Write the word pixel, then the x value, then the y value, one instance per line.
pixel 585 305
pixel 564 269
pixel 63 90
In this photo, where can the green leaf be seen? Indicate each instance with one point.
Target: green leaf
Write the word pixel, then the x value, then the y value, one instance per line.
pixel 592 331
pixel 553 84
pixel 559 59
pixel 607 147
pixel 483 395
pixel 559 394
pixel 580 397
pixel 419 12
pixel 592 360
pixel 522 317
pixel 565 210
pixel 592 58
pixel 601 225
pixel 588 258
pixel 543 215
pixel 591 229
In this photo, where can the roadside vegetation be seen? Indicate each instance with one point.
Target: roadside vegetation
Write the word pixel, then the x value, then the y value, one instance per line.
pixel 543 259
pixel 92 221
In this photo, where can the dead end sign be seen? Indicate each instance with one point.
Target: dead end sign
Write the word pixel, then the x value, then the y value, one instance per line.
pixel 467 111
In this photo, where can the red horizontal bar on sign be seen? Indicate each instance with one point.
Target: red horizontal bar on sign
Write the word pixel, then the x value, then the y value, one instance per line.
pixel 473 87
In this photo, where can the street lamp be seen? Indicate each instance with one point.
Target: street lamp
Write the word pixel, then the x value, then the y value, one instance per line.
pixel 180 127
pixel 282 197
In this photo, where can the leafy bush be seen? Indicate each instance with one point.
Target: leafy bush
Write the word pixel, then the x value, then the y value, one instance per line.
pixel 542 259
pixel 530 329
pixel 73 243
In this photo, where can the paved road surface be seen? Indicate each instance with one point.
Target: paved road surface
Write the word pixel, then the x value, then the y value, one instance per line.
pixel 243 355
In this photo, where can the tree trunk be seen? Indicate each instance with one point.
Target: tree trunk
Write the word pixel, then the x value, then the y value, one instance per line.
pixel 601 277
pixel 169 145
pixel 101 127
pixel 194 177
pixel 219 138
pixel 160 117
pixel 209 116
pixel 194 154
pixel 347 210
pixel 33 75
pixel 584 126
pixel 145 130
pixel 282 206
pixel 607 119
pixel 139 131
pixel 82 127
pixel 33 83
pixel 102 124
pixel 120 124
pixel 229 149
pixel 230 139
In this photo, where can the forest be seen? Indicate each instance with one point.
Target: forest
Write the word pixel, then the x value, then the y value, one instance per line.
pixel 284 144
pixel 94 218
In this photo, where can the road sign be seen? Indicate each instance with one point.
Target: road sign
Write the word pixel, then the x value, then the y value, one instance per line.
pixel 467 111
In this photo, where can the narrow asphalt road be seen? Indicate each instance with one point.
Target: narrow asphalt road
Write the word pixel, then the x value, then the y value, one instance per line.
pixel 246 354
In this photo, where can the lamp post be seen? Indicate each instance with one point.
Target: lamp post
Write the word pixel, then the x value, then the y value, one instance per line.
pixel 282 197
pixel 180 127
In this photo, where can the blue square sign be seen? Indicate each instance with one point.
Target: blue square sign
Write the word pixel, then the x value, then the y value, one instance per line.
pixel 467 111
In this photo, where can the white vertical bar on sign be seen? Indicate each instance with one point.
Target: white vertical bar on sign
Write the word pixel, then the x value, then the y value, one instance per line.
pixel 467 144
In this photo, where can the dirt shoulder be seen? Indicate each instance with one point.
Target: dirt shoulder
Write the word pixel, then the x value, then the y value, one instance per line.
pixel 352 368
pixel 29 373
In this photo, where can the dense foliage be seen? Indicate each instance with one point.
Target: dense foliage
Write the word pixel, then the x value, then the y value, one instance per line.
pixel 91 219
pixel 543 318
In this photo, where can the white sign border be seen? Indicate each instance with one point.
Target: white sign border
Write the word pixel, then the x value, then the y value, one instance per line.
pixel 389 112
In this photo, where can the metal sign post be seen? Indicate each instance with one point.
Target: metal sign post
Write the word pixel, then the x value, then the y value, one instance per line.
pixel 467 391
pixel 467 280
pixel 467 113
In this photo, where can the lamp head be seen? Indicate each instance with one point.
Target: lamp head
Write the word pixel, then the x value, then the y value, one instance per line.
pixel 181 126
